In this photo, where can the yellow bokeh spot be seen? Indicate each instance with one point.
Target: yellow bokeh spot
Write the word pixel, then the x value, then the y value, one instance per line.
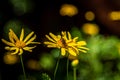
pixel 75 62
pixel 10 59
pixel 89 16
pixel 115 15
pixel 91 29
pixel 33 64
pixel 68 10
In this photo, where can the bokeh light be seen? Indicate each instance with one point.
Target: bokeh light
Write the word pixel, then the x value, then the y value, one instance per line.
pixel 118 46
pixel 10 59
pixel 55 53
pixel 33 64
pixel 22 6
pixel 114 15
pixel 91 29
pixel 68 10
pixel 89 15
pixel 47 61
pixel 75 32
pixel 16 26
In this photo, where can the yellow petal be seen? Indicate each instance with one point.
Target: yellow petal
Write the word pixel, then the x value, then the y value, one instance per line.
pixel 7 43
pixel 69 35
pixel 47 43
pixel 29 48
pixel 22 35
pixel 59 36
pixel 52 46
pixel 50 38
pixel 16 51
pixel 35 43
pixel 72 52
pixel 84 48
pixel 75 39
pixel 63 51
pixel 28 36
pixel 20 52
pixel 13 35
pixel 64 35
pixel 71 43
pixel 75 49
pixel 32 39
pixel 26 49
pixel 10 48
pixel 84 51
pixel 13 48
pixel 7 48
pixel 11 38
pixel 54 36
pixel 81 43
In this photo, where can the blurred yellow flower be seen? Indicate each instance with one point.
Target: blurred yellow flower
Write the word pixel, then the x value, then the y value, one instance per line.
pixel 65 43
pixel 114 15
pixel 91 29
pixel 10 59
pixel 16 45
pixel 68 10
pixel 89 15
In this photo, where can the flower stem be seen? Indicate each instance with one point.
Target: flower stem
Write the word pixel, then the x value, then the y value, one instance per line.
pixel 67 67
pixel 23 67
pixel 74 73
pixel 56 66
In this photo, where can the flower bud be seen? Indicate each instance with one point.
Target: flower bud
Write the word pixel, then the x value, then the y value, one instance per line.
pixel 75 62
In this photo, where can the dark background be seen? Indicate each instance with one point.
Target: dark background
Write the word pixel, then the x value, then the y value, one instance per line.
pixel 44 18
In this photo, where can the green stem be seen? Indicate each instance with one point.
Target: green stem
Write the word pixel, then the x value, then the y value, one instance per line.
pixel 23 67
pixel 74 73
pixel 67 67
pixel 56 66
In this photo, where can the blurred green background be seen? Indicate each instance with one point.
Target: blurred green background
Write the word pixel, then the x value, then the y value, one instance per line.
pixel 95 21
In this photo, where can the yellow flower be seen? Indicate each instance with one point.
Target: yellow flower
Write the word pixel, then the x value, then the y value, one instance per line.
pixel 65 43
pixel 16 45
